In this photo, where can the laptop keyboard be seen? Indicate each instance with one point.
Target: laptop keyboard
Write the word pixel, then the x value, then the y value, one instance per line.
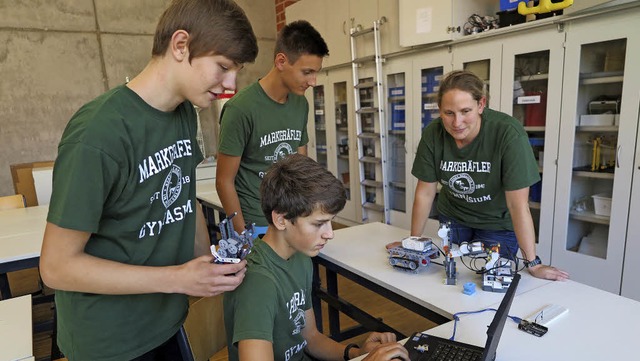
pixel 450 352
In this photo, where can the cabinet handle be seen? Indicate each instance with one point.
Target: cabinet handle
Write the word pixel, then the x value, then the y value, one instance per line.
pixel 618 156
pixel 344 30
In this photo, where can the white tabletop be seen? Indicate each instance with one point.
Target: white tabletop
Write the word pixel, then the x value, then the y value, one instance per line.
pixel 361 250
pixel 598 326
pixel 21 232
pixel 206 191
pixel 16 340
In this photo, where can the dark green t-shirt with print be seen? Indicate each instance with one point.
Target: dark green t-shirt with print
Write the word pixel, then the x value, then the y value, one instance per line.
pixel 270 304
pixel 125 173
pixel 260 131
pixel 474 179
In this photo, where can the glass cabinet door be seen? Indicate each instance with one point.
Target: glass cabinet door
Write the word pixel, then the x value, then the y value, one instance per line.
pixel 396 121
pixel 430 79
pixel 343 171
pixel 320 125
pixel 595 164
pixel 531 92
pixel 483 58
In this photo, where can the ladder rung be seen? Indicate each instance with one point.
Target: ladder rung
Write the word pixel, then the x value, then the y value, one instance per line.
pixel 369 135
pixel 365 85
pixel 373 206
pixel 367 110
pixel 361 32
pixel 370 160
pixel 364 59
pixel 371 183
pixel 401 185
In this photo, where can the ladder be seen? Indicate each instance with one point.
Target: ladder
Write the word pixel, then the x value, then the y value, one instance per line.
pixel 371 128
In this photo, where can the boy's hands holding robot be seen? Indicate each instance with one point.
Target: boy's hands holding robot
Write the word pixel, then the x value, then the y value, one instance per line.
pixel 202 278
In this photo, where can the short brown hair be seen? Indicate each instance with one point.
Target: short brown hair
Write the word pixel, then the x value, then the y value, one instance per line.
pixel 462 80
pixel 300 38
pixel 297 185
pixel 215 27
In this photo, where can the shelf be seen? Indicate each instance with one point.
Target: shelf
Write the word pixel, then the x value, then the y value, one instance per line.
pixel 365 85
pixel 367 110
pixel 429 95
pixel 534 205
pixel 597 129
pixel 371 160
pixel 533 77
pixel 399 185
pixel 534 129
pixel 589 174
pixel 342 129
pixel 398 132
pixel 371 183
pixel 601 77
pixel 397 98
pixel 373 207
pixel 590 217
pixel 369 135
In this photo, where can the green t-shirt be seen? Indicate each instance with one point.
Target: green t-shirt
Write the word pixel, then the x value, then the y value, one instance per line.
pixel 474 179
pixel 270 303
pixel 125 172
pixel 261 131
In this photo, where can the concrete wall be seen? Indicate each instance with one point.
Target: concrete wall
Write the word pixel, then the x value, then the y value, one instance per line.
pixel 57 55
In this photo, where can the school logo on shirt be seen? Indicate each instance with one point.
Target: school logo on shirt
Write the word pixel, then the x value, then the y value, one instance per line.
pixel 462 183
pixel 172 186
pixel 283 150
pixel 296 314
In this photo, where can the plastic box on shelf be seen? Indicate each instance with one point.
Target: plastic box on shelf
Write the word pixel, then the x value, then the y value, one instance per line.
pixel 602 204
pixel 397 116
pixel 597 120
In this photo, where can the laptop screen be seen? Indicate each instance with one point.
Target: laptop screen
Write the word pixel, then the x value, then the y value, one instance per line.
pixel 497 325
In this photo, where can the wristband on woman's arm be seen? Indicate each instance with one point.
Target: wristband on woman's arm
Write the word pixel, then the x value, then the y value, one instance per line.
pixel 348 349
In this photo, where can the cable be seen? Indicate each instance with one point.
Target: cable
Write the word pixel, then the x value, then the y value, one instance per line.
pixel 456 318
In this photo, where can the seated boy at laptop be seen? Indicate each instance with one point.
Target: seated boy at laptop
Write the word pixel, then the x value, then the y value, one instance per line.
pixel 269 316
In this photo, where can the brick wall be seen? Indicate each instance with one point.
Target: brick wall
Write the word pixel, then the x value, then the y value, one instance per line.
pixel 280 16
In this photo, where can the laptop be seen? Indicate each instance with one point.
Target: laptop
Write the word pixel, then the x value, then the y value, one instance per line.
pixel 423 347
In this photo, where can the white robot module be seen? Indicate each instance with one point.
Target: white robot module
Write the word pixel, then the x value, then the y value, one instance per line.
pixel 497 273
pixel 413 255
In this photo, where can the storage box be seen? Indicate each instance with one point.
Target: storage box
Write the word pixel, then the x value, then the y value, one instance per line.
pixel 602 204
pixel 396 91
pixel 597 119
pixel 535 192
pixel 509 4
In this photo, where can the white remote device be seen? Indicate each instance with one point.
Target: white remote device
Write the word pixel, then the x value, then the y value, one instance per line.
pixel 547 314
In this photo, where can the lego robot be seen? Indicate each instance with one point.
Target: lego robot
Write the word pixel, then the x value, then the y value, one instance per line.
pixel 413 254
pixel 232 247
pixel 497 272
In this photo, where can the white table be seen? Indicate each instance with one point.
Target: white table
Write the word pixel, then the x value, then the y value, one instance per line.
pixel 16 340
pixel 359 253
pixel 21 232
pixel 598 326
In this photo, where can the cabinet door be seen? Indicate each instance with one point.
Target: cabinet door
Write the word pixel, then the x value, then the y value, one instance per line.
pixel 428 71
pixel 424 21
pixel 389 33
pixel 631 271
pixel 336 33
pixel 398 118
pixel 309 10
pixel 531 92
pixel 482 57
pixel 317 123
pixel 598 130
pixel 343 162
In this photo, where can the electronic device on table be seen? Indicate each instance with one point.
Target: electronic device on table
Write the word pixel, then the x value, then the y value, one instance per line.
pixel 423 347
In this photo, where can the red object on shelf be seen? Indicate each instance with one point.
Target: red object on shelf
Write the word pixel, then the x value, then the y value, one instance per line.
pixel 535 114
